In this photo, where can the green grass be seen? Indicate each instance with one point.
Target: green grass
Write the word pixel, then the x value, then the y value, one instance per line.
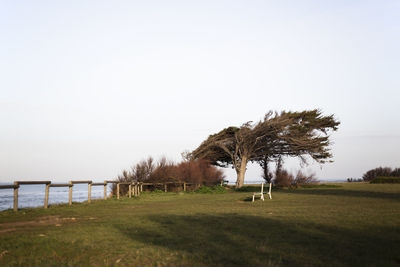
pixel 351 225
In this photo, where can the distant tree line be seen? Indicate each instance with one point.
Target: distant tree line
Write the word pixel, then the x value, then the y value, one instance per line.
pixel 381 172
pixel 354 180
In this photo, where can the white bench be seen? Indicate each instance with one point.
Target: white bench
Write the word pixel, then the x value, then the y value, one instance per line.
pixel 262 192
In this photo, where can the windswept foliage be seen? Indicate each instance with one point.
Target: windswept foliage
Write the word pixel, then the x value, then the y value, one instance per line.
pixel 294 134
pixel 140 172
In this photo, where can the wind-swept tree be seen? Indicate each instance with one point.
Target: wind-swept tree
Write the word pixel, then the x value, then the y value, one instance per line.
pixel 237 146
pixel 306 137
pixel 285 133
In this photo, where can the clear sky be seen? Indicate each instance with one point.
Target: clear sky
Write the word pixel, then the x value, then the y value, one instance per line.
pixel 87 88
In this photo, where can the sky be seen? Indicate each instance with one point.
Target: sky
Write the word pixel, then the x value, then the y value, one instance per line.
pixel 88 88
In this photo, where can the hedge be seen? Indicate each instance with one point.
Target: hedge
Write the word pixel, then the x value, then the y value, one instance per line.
pixel 385 180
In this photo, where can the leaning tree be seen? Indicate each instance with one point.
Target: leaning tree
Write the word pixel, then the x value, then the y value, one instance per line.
pixel 278 134
pixel 307 136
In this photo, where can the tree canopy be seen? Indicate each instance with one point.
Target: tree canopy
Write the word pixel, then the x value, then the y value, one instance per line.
pixel 295 134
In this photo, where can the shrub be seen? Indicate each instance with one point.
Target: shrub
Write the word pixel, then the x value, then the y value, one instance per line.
pixel 203 190
pixel 304 179
pixel 384 172
pixel 196 171
pixel 157 191
pixel 385 180
pixel 219 189
pixel 396 172
pixel 284 178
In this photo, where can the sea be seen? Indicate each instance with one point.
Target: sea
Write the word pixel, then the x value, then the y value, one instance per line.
pixel 30 196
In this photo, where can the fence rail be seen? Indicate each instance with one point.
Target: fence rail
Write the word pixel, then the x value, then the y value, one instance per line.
pixel 7 186
pixel 135 188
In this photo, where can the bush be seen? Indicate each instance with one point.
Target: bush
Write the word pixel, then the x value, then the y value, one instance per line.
pixel 196 171
pixel 217 189
pixel 396 172
pixel 157 191
pixel 385 180
pixel 284 179
pixel 380 172
pixel 304 179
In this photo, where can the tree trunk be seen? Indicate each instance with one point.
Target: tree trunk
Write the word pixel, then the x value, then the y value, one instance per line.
pixel 279 164
pixel 266 174
pixel 240 173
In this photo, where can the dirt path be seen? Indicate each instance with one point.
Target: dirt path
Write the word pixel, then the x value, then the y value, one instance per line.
pixel 41 221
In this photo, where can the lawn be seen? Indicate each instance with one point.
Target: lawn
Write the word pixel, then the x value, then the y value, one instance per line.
pixel 353 224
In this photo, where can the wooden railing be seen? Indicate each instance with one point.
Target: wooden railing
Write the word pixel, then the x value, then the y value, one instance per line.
pixel 136 186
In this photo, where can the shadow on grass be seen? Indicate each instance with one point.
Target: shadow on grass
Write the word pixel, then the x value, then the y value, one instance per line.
pixel 343 192
pixel 242 240
pixel 256 188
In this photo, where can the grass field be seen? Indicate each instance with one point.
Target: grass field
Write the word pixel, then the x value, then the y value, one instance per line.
pixel 352 225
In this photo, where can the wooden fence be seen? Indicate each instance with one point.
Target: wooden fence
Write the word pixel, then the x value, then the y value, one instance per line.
pixel 136 186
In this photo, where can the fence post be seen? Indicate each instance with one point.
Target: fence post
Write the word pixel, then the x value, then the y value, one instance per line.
pixel 70 193
pixel 46 196
pixel 130 190
pixel 89 198
pixel 16 186
pixel 105 190
pixel 184 186
pixel 141 187
pixel 117 190
pixel 137 189
pixel 165 187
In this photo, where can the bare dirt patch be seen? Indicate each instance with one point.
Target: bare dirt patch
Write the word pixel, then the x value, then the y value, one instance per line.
pixel 41 221
pixel 3 253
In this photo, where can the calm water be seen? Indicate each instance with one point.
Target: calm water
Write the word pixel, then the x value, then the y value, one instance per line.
pixel 33 195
